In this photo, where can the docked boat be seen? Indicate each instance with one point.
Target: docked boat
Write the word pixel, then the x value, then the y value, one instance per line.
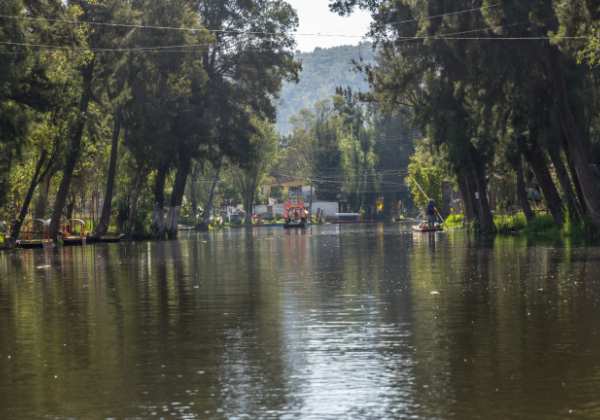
pixel 72 237
pixel 34 243
pixel 110 239
pixel 28 241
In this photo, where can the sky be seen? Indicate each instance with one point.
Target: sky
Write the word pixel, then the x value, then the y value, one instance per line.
pixel 315 17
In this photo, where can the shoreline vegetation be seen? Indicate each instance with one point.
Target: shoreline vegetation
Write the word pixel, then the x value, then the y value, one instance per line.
pixel 542 226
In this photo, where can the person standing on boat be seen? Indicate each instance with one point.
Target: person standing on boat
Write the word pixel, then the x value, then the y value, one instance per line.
pixel 430 211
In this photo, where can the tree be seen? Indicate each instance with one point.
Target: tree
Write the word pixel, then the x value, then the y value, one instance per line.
pixel 250 174
pixel 461 89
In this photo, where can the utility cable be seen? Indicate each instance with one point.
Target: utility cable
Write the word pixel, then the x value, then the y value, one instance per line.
pixel 228 31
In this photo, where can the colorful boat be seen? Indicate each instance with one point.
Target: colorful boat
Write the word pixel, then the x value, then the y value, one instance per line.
pixel 295 214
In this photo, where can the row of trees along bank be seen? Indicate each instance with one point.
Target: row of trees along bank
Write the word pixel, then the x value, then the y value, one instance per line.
pixel 116 102
pixel 500 89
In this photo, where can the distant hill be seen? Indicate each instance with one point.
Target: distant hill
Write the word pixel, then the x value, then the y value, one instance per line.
pixel 323 70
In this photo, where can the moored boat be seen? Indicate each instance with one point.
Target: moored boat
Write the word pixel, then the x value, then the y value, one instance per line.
pixel 72 238
pixel 34 243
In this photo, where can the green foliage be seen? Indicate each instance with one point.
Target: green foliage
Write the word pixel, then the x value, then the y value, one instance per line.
pixel 454 221
pixel 591 52
pixel 486 106
pixel 249 176
pixel 426 175
pixel 169 97
pixel 543 225
pixel 510 223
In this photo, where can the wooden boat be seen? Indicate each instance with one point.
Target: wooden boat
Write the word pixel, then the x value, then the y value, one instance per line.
pixel 27 241
pixel 295 224
pixel 110 239
pixel 34 243
pixel 424 228
pixel 74 240
pixel 68 236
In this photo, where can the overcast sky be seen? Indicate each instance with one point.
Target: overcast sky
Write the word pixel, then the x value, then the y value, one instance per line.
pixel 315 17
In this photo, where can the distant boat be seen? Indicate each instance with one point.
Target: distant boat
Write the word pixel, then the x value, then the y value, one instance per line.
pixel 110 238
pixel 348 218
pixel 301 223
pixel 425 228
pixel 295 214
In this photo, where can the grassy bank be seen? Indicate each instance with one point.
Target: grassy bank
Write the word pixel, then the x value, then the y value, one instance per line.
pixel 542 226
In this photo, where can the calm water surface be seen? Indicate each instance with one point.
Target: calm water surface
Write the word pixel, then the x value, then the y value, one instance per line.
pixel 330 323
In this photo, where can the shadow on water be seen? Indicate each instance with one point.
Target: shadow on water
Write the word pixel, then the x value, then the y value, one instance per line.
pixel 328 322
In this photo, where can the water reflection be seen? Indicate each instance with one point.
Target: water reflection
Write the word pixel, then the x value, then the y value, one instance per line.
pixel 333 322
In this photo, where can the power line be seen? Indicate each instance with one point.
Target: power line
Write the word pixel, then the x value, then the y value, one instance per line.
pixel 441 15
pixel 191 47
pixel 179 28
pixel 227 31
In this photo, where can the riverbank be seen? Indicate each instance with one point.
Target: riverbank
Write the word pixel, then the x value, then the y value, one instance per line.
pixel 542 226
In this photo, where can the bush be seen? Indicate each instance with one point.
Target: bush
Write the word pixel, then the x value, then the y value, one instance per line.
pixel 454 221
pixel 543 225
pixel 510 223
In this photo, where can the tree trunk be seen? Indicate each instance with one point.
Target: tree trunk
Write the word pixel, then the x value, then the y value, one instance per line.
pixel 158 213
pixel 70 208
pixel 486 219
pixel 522 191
pixel 177 197
pixel 104 222
pixel 194 190
pixel 249 201
pixel 590 187
pixel 74 149
pixel 537 161
pixel 35 180
pixel 249 206
pixel 41 204
pixel 573 206
pixel 133 203
pixel 211 193
pixel 468 195
pixel 576 183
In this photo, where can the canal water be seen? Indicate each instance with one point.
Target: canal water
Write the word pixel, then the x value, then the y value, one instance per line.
pixel 329 323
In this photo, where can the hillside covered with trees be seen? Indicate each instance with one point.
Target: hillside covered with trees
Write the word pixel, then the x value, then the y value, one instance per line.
pixel 323 70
